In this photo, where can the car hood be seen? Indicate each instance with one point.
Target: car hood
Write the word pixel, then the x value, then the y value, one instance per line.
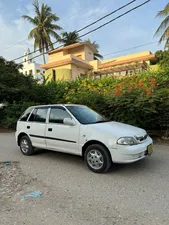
pixel 118 129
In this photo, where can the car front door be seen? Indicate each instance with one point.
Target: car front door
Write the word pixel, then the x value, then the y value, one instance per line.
pixel 61 137
pixel 36 127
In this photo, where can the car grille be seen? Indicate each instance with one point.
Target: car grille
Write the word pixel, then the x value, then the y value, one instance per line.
pixel 142 138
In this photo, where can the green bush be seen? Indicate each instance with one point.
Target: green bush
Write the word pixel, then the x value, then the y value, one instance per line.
pixel 12 113
pixel 138 100
pixel 141 99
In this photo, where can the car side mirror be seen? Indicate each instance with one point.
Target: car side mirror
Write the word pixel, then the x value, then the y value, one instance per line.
pixel 69 122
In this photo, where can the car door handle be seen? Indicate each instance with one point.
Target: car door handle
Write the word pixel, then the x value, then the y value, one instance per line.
pixel 28 127
pixel 49 129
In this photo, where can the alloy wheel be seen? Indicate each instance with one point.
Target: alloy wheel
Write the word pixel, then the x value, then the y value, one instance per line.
pixel 95 159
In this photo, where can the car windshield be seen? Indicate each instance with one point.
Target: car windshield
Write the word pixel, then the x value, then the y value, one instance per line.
pixel 86 115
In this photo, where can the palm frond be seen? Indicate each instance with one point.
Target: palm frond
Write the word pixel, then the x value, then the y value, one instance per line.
pixel 166 46
pixel 50 18
pixel 163 25
pixel 163 29
pixel 98 56
pixel 36 6
pixel 54 26
pixel 47 10
pixel 33 33
pixel 52 33
pixel 163 12
pixel 165 35
pixel 30 19
pixel 70 38
pixel 95 45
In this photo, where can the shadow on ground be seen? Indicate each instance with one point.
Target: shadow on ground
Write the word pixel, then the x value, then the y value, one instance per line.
pixel 68 159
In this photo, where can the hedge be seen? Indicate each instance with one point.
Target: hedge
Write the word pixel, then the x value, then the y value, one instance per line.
pixel 141 100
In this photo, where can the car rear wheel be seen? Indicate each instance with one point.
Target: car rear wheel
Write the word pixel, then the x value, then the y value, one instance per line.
pixel 26 146
pixel 97 158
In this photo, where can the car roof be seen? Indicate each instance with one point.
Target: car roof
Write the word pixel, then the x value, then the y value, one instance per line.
pixel 52 105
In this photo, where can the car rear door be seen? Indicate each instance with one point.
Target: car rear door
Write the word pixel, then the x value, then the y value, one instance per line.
pixel 61 137
pixel 36 126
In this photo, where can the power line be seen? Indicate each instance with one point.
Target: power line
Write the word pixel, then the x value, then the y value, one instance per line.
pixel 85 26
pixel 34 52
pixel 116 18
pixel 16 44
pixel 81 10
pixel 61 21
pixel 105 23
pixel 107 15
pixel 150 43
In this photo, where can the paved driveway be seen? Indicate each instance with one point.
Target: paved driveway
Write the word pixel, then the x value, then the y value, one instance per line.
pixel 127 195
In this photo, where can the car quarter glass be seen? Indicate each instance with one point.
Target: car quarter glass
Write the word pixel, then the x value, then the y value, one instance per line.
pixel 26 114
pixel 38 115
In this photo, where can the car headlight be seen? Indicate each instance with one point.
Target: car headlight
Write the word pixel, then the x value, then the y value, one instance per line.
pixel 127 141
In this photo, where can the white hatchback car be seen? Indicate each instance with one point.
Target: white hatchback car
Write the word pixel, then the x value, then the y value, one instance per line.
pixel 76 129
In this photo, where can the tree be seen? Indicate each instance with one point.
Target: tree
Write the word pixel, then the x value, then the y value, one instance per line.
pixel 45 27
pixel 164 28
pixel 14 86
pixel 97 55
pixel 163 59
pixel 69 38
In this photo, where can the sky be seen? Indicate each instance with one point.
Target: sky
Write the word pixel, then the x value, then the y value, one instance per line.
pixel 134 29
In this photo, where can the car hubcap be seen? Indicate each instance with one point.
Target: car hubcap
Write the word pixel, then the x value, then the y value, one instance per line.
pixel 24 146
pixel 95 159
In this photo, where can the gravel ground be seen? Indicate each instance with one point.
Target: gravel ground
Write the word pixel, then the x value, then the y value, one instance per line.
pixel 135 194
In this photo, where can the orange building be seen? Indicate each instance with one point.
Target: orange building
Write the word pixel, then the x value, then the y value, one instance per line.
pixel 77 60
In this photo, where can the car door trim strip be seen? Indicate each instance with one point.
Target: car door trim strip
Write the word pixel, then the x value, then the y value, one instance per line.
pixel 51 138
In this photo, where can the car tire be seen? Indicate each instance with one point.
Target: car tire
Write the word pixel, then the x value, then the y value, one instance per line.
pixel 26 146
pixel 97 158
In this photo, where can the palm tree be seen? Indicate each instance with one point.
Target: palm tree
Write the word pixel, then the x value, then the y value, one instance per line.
pixel 69 38
pixel 164 28
pixel 97 55
pixel 45 27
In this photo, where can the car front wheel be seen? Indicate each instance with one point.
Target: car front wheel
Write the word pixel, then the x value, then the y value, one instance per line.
pixel 26 146
pixel 97 158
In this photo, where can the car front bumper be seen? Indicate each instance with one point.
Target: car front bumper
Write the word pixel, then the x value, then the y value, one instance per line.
pixel 130 154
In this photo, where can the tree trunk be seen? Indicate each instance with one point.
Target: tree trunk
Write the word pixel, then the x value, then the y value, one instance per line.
pixel 43 54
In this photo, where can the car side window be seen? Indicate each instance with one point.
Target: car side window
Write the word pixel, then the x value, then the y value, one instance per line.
pixel 39 115
pixel 58 114
pixel 26 114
